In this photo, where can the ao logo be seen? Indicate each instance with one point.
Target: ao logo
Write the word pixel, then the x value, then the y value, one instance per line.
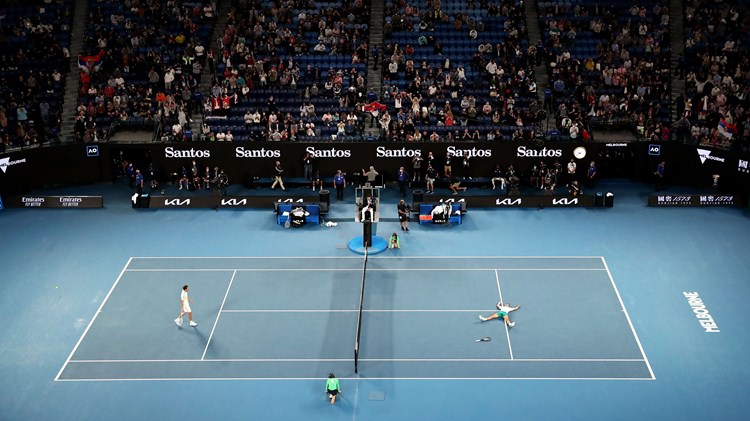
pixel 565 201
pixel 654 150
pixel 92 150
pixel 176 202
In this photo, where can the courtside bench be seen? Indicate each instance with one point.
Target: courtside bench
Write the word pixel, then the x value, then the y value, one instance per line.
pixel 284 213
pixel 426 216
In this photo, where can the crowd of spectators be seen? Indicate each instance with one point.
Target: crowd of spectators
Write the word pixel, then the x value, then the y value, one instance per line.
pixel 452 70
pixel 458 70
pixel 142 64
pixel 34 54
pixel 715 109
pixel 609 65
pixel 290 70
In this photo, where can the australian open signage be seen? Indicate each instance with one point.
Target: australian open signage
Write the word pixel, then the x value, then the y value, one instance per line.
pixel 693 200
pixel 38 202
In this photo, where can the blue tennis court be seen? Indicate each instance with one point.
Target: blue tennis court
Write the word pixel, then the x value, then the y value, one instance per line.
pixel 420 321
pixel 89 333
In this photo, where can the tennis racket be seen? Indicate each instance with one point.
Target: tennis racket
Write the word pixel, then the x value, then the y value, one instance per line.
pixel 485 339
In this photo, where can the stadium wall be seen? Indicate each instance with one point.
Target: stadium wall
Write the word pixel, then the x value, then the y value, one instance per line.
pixel 29 169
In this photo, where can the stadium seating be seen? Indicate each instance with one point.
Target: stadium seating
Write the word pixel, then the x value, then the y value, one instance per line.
pixel 33 63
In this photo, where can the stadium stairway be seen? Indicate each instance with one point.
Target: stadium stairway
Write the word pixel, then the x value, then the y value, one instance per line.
pixel 374 76
pixel 677 37
pixel 535 38
pixel 204 87
pixel 67 125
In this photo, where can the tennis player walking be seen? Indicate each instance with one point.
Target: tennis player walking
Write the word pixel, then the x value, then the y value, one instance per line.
pixel 502 313
pixel 185 308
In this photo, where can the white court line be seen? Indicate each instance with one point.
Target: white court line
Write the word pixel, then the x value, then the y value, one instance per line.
pixel 360 257
pixel 357 269
pixel 322 360
pixel 627 316
pixel 318 379
pixel 356 400
pixel 352 311
pixel 507 333
pixel 218 315
pixel 75 348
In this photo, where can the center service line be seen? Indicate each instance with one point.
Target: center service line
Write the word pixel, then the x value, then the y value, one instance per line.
pixel 500 293
pixel 218 315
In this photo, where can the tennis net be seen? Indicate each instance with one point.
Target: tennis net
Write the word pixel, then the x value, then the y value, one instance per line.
pixel 359 315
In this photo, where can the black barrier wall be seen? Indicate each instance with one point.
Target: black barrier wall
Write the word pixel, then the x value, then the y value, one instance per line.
pixel 78 164
pixel 48 166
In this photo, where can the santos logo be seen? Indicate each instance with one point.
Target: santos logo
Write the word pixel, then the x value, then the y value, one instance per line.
pixel 176 202
pixel 705 154
pixel 6 162
pixel 241 152
pixel 170 152
pixel 564 202
pixel 471 153
pixel 382 152
pixel 329 153
pixel 233 202
pixel 533 153
pixel 508 202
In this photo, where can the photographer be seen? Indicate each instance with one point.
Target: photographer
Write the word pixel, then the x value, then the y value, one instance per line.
pixel 223 182
pixel 403 214
pixel 513 181
pixel 573 189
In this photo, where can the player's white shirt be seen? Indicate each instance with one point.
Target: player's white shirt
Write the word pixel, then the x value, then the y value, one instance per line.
pixel 185 301
pixel 506 309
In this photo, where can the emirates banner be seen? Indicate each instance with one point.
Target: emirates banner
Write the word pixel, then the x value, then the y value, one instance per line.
pixel 38 202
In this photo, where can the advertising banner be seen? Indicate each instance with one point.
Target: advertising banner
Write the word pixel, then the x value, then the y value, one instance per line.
pixel 38 202
pixel 693 200
pixel 225 202
pixel 517 201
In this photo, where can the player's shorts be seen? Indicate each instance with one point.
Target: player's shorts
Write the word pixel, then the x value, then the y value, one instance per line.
pixel 501 314
pixel 186 308
pixel 333 392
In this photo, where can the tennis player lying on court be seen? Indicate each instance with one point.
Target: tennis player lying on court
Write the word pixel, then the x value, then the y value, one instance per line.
pixel 502 313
